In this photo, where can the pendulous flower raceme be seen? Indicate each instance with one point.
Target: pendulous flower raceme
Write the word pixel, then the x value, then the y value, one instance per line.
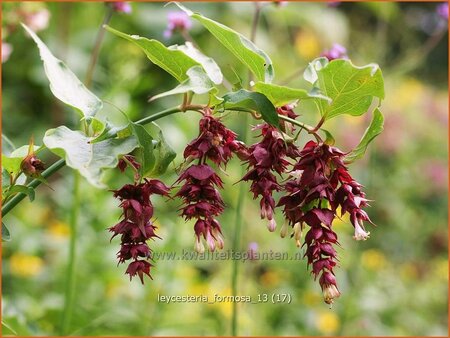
pixel 136 227
pixel 321 184
pixel 264 159
pixel 200 195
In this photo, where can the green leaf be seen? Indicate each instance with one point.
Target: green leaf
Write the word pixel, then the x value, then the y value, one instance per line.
pixel 310 73
pixel 329 139
pixel 254 58
pixel 352 89
pixel 15 189
pixel 375 128
pixel 15 325
pixel 280 95
pixel 146 155
pixel 209 65
pixel 164 154
pixel 102 130
pixel 198 82
pixel 254 101
pixel 12 162
pixel 7 146
pixel 64 84
pixel 90 159
pixel 173 61
pixel 6 236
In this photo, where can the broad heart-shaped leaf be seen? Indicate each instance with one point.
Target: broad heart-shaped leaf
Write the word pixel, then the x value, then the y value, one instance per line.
pixel 88 158
pixel 5 233
pixel 64 84
pixel 280 95
pixel 351 89
pixel 12 162
pixel 173 61
pixel 375 128
pixel 209 65
pixel 245 50
pixel 254 101
pixel 198 82
pixel 164 154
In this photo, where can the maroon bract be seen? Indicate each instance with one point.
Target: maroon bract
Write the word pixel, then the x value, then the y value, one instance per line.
pixel 215 142
pixel 136 227
pixel 320 184
pixel 199 192
pixel 265 158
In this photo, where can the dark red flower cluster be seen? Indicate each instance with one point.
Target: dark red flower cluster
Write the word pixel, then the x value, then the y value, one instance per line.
pixel 320 185
pixel 264 158
pixel 199 191
pixel 202 201
pixel 136 226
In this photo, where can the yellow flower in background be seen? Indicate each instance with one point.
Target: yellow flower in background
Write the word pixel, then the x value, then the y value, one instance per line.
pixel 23 265
pixel 373 259
pixel 58 229
pixel 341 222
pixel 440 269
pixel 409 271
pixel 311 298
pixel 327 322
pixel 307 45
pixel 270 279
pixel 408 93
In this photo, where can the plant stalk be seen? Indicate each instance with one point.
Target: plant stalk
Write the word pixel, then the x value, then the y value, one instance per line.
pixel 98 42
pixel 241 198
pixel 70 283
pixel 237 240
pixel 7 207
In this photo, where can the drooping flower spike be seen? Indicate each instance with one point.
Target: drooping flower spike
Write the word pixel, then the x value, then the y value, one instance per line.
pixel 320 184
pixel 265 159
pixel 200 195
pixel 136 227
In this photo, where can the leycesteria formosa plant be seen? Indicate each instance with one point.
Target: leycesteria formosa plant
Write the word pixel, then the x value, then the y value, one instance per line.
pixel 289 157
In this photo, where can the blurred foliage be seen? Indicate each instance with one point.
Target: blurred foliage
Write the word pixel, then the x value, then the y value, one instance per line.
pixel 393 284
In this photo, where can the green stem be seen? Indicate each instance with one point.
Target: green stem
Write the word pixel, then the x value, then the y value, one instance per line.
pixel 70 284
pixel 237 239
pixel 98 43
pixel 242 194
pixel 7 207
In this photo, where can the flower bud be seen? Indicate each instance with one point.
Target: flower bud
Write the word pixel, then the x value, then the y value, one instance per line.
pixel 360 233
pixel 330 292
pixel 32 166
pixel 199 247
pixel 284 229
pixel 272 225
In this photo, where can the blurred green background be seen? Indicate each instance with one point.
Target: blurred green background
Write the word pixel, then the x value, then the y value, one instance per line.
pixel 396 283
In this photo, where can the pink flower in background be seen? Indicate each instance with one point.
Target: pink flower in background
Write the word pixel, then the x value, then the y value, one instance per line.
pixel 37 21
pixel 436 172
pixel 336 51
pixel 252 250
pixel 442 10
pixel 333 3
pixel 121 7
pixel 6 51
pixel 281 3
pixel 177 21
